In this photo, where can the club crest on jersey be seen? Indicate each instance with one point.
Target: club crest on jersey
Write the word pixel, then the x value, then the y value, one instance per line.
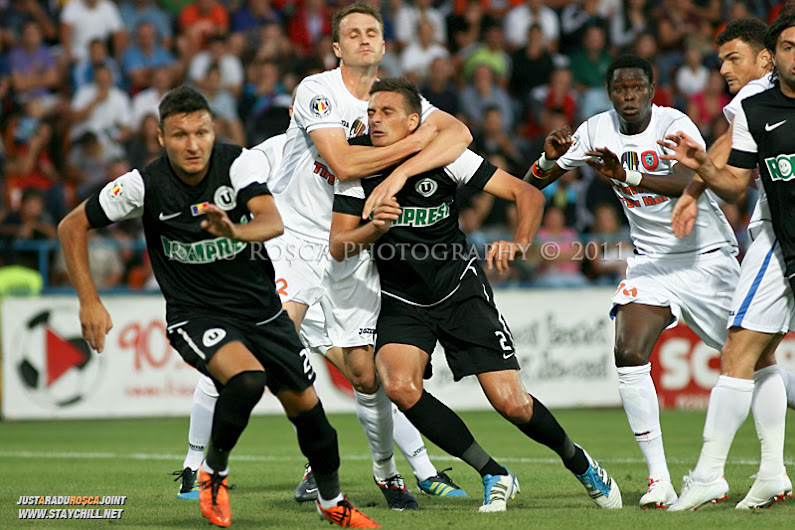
pixel 426 187
pixel 780 167
pixel 225 198
pixel 649 160
pixel 116 191
pixel 320 106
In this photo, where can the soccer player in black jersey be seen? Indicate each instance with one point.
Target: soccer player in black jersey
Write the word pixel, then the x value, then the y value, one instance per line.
pixel 205 212
pixel 764 135
pixel 431 291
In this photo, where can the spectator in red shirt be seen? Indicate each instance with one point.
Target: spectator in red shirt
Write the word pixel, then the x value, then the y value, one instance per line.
pixel 200 20
pixel 307 25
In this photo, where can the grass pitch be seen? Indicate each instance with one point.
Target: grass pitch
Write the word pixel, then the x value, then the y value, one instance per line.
pixel 134 458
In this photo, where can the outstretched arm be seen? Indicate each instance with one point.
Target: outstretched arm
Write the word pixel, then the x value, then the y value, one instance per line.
pixel 529 206
pixel 607 163
pixel 95 320
pixel 728 181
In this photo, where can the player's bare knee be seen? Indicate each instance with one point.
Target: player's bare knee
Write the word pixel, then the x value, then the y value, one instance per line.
pixel 365 383
pixel 629 354
pixel 404 394
pixel 516 411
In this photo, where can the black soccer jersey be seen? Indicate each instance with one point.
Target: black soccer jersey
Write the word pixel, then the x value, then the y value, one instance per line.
pixel 422 257
pixel 195 269
pixel 764 134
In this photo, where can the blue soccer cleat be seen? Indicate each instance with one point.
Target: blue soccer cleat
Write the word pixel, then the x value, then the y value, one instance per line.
pixel 441 485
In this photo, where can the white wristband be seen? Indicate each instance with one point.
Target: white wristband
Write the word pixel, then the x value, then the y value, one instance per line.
pixel 633 178
pixel 545 164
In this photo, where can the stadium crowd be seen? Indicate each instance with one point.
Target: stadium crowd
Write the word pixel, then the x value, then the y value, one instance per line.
pixel 80 82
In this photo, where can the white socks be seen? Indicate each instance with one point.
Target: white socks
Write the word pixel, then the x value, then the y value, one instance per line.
pixel 411 444
pixel 375 415
pixel 326 504
pixel 769 410
pixel 729 403
pixel 201 421
pixel 789 385
pixel 639 398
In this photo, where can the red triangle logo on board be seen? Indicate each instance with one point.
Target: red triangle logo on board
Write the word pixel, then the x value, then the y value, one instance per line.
pixel 61 356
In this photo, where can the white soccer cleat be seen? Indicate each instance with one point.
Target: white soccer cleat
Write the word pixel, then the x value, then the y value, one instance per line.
pixel 600 486
pixel 765 491
pixel 497 489
pixel 696 494
pixel 661 494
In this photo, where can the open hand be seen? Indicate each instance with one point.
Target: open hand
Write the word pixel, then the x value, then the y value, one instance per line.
pixel 683 218
pixel 607 163
pixel 685 149
pixel 557 143
pixel 218 223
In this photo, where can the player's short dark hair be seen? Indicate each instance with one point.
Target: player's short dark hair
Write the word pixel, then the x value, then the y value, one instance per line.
pixel 360 6
pixel 182 100
pixel 784 21
pixel 749 30
pixel 630 61
pixel 400 85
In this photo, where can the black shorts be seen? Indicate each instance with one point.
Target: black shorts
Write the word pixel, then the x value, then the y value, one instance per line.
pixel 473 333
pixel 273 342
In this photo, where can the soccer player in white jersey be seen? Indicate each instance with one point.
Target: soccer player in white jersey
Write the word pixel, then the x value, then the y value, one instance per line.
pixel 329 108
pixel 759 318
pixel 667 278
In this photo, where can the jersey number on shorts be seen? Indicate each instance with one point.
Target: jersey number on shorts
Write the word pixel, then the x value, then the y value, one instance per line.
pixel 310 374
pixel 504 344
pixel 281 286
pixel 627 292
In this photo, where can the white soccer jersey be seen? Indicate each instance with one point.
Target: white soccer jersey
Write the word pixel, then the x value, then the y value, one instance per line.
pixel 649 214
pixel 321 101
pixel 761 208
pixel 273 148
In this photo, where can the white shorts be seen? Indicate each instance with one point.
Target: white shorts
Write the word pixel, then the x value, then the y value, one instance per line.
pixel 353 301
pixel 348 293
pixel 300 266
pixel 696 287
pixel 763 299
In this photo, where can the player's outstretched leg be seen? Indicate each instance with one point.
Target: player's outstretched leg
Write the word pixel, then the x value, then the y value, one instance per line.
pixel 444 428
pixel 232 412
pixel 769 411
pixel 429 480
pixel 318 442
pixel 201 421
pixel 545 429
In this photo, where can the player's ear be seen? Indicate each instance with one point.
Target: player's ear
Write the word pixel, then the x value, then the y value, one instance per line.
pixel 765 58
pixel 414 121
pixel 336 47
pixel 160 136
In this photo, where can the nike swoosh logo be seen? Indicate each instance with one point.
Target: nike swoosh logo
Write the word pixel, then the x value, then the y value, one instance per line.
pixel 769 127
pixel 311 490
pixel 509 355
pixel 164 217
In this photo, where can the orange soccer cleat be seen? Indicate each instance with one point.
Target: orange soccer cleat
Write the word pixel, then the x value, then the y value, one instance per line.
pixel 214 498
pixel 346 515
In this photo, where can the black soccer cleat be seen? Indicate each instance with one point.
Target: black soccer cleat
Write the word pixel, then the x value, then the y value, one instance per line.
pixel 307 488
pixel 398 497
pixel 189 488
